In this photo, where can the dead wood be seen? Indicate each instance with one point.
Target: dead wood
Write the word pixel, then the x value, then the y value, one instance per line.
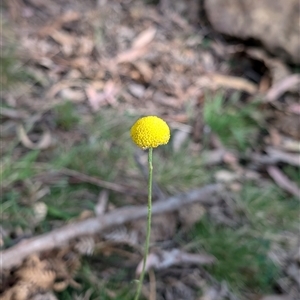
pixel 59 237
pixel 283 181
pixel 283 86
pixel 275 156
pixel 50 176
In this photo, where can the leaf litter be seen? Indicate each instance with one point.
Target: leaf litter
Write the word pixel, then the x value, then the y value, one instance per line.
pixel 130 57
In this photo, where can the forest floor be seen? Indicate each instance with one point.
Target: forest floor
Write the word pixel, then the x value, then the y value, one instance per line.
pixel 75 76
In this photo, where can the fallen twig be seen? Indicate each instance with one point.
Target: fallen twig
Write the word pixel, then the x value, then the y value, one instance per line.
pixel 282 86
pixel 283 181
pixel 275 156
pixel 272 157
pixel 164 259
pixel 46 177
pixel 59 237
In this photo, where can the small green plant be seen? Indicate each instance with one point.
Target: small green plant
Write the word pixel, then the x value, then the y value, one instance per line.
pixel 148 133
pixel 66 116
pixel 293 173
pixel 236 126
pixel 12 71
pixel 242 260
pixel 266 213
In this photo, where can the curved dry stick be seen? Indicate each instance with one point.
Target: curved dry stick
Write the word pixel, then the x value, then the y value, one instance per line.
pixel 59 237
pixel 282 86
pixel 283 181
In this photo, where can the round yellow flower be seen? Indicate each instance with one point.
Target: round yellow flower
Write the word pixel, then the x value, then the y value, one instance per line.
pixel 150 132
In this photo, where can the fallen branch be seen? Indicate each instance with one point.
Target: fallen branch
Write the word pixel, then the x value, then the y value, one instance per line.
pixel 59 237
pixel 282 86
pixel 49 177
pixel 160 260
pixel 275 156
pixel 283 181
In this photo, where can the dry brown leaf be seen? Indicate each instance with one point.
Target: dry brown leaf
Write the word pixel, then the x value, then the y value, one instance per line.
pixel 232 82
pixel 264 84
pixel 39 212
pixel 163 99
pixel 136 90
pixel 69 16
pixel 74 95
pixel 122 235
pixel 67 41
pixel 131 55
pixel 20 291
pixel 189 215
pixel 275 137
pixel 144 38
pixel 63 38
pixel 86 46
pixel 107 96
pixel 85 245
pixel 163 227
pixel 44 143
pixel 144 69
pixel 101 205
pixel 139 46
pixel 226 176
pixel 60 85
pixel 82 63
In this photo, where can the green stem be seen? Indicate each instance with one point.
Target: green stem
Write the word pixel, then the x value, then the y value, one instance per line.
pixel 148 224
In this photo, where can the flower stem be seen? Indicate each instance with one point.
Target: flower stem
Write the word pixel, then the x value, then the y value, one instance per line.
pixel 148 224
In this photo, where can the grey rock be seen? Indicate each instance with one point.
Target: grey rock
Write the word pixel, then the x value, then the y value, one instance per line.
pixel 275 23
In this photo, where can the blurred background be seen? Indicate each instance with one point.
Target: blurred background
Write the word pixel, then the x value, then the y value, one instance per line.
pixel 75 75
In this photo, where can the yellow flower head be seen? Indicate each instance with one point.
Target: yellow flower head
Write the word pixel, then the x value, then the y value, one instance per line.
pixel 150 132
